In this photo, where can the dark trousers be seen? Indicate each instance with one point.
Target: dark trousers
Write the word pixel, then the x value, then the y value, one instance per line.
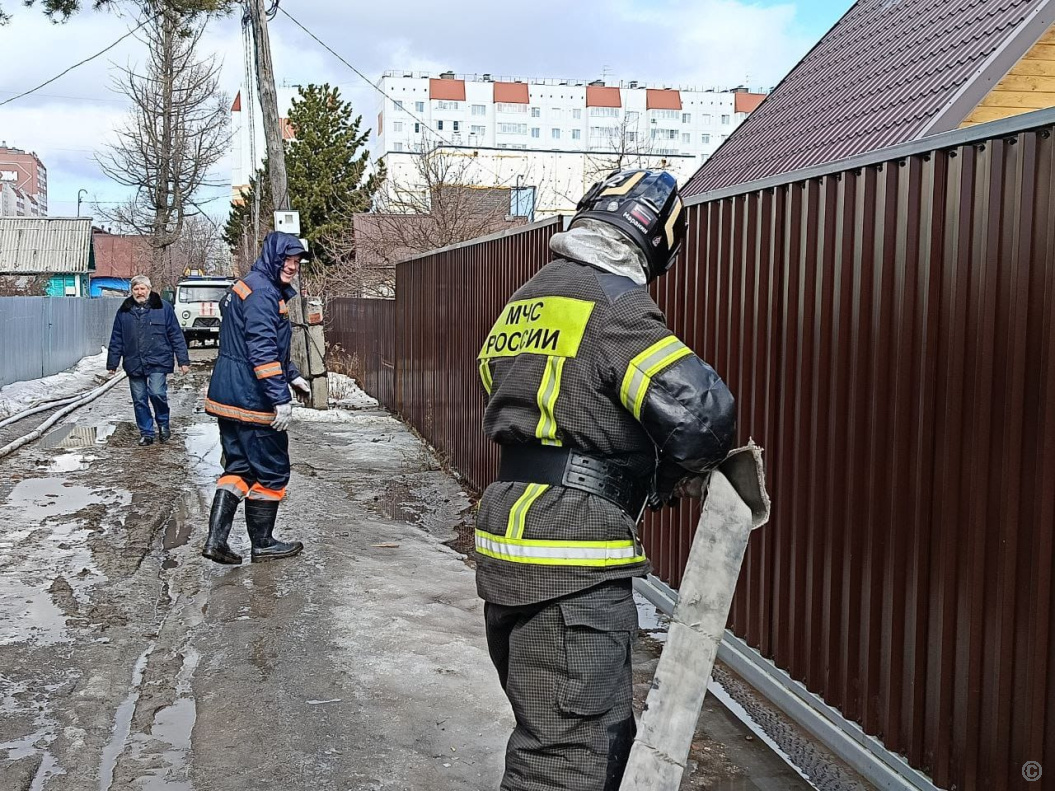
pixel 147 391
pixel 256 460
pixel 565 667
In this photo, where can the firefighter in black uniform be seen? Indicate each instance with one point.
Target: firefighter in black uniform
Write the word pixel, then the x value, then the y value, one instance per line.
pixel 598 409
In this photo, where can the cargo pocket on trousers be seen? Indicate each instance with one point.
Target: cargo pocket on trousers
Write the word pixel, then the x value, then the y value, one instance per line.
pixel 597 654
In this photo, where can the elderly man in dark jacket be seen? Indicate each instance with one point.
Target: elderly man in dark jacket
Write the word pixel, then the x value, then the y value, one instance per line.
pixel 249 393
pixel 146 337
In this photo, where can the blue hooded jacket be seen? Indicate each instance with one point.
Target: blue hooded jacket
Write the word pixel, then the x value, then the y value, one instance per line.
pixel 145 338
pixel 253 370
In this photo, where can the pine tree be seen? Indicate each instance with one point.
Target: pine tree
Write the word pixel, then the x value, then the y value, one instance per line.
pixel 326 165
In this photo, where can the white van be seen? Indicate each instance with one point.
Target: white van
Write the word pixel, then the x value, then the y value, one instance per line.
pixel 197 306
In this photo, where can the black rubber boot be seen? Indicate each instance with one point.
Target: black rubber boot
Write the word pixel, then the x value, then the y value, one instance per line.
pixel 260 516
pixel 164 433
pixel 224 504
pixel 145 440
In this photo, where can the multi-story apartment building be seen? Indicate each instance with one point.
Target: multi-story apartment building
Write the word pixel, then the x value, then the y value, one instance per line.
pixel 23 183
pixel 248 146
pixel 554 137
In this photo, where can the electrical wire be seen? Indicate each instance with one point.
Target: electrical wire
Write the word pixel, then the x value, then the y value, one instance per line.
pixel 378 88
pixel 75 65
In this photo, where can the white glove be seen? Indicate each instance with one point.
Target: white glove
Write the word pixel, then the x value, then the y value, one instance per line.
pixel 302 384
pixel 283 416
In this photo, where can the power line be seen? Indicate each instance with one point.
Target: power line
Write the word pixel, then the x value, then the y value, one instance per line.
pixel 377 88
pixel 75 65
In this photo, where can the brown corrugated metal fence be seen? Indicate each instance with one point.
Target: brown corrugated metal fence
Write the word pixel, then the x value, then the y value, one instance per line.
pixel 362 336
pixel 889 331
pixel 446 302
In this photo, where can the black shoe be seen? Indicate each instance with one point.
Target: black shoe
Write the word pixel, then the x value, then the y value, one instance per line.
pixel 145 440
pixel 260 516
pixel 164 434
pixel 224 505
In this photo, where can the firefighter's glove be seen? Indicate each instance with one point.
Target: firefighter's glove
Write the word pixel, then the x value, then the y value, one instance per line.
pixel 300 383
pixel 283 416
pixel 694 487
pixel 668 475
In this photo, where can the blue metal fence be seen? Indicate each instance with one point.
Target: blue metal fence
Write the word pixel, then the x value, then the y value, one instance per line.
pixel 40 336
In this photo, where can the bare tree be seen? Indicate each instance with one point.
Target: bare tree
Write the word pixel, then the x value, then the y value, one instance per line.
pixel 438 205
pixel 630 144
pixel 177 130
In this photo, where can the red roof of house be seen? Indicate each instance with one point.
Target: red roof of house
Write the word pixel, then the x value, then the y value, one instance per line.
pixel 888 72
pixel 661 99
pixel 600 96
pixel 448 90
pixel 119 256
pixel 511 92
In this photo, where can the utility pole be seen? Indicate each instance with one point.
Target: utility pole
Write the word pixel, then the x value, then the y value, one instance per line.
pixel 309 346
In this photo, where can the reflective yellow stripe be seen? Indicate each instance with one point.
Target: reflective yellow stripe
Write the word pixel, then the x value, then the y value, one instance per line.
pixel 558 553
pixel 485 376
pixel 518 513
pixel 642 368
pixel 548 391
pixel 241 289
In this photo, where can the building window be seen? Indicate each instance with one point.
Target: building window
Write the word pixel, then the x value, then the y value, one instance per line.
pixel 555 134
pixel 479 109
pixel 456 125
pixel 510 107
pixel 439 125
pixel 576 134
pixel 512 129
pixel 686 137
pixel 555 113
pixel 576 113
pixel 604 112
pixel 705 138
pixel 686 118
pixel 631 137
pixel 477 130
pixel 397 126
pixel 534 131
pixel 419 107
pixel 399 106
pixel 397 146
pixel 667 115
pixel 535 112
pixel 598 131
pixel 632 116
pixel 725 119
pixel 440 105
pixel 706 118
pixel 417 129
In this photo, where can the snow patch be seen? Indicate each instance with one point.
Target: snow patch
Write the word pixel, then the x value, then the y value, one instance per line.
pixel 346 393
pixel 85 375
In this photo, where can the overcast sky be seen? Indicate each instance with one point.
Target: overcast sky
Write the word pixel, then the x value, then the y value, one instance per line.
pixel 705 43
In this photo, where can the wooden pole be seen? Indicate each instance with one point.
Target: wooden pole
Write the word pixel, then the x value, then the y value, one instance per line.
pixel 302 351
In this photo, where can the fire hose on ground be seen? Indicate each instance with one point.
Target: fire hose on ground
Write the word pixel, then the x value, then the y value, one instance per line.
pixel 67 406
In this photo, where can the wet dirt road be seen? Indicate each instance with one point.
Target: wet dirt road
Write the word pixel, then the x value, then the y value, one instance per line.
pixel 129 662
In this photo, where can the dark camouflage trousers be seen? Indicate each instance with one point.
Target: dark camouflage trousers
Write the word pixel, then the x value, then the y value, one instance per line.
pixel 565 667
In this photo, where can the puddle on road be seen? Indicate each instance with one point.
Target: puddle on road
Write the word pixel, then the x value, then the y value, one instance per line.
pixel 34 499
pixel 399 503
pixel 74 436
pixel 68 462
pixel 122 723
pixel 202 441
pixel 61 518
